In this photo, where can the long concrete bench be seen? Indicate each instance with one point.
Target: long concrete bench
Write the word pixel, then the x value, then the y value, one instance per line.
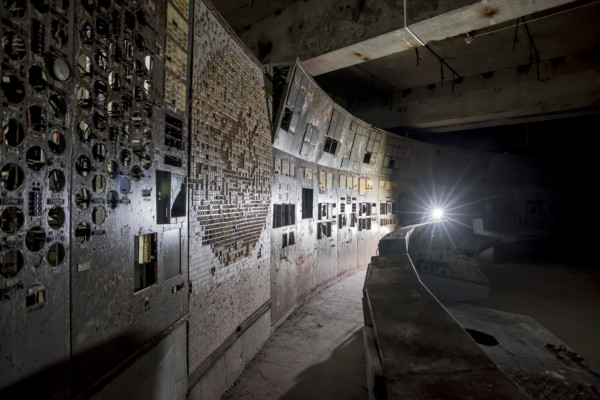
pixel 415 349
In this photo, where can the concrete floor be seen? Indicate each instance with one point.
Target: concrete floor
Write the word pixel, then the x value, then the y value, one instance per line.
pixel 565 299
pixel 317 353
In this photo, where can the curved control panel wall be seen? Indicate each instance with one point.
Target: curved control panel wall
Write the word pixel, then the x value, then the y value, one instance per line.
pixel 334 192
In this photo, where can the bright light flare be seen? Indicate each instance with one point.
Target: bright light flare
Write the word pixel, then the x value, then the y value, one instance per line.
pixel 437 213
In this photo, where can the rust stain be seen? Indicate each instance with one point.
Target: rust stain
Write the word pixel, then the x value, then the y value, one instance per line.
pixel 489 12
pixel 361 56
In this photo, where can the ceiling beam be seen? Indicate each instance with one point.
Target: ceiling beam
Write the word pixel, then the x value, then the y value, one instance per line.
pixel 460 21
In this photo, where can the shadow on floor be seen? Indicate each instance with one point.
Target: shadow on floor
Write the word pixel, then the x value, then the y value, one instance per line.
pixel 341 376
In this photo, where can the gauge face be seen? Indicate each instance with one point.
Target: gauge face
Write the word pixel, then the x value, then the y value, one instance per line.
pixel 56 254
pixel 128 48
pixel 112 168
pixel 83 198
pixel 56 217
pixel 84 131
pixel 11 176
pixel 99 152
pixel 61 70
pixel 149 63
pixel 114 109
pixel 83 232
pixel 84 65
pixel 148 89
pixel 112 199
pixel 101 57
pixel 36 158
pixel 11 263
pixel 99 184
pixel 56 180
pixel 100 121
pixel 37 78
pixel 11 220
pixel 36 118
pixel 13 133
pixel 116 54
pixel 124 185
pixel 56 142
pixel 57 106
pixel 13 88
pixel 35 239
pixel 84 98
pixel 100 90
pixel 98 215
pixel 83 165
pixel 125 157
pixel 136 173
pixel 114 81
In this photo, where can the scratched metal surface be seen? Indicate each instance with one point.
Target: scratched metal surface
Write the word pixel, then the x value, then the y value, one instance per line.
pixel 35 156
pixel 145 140
pixel 97 74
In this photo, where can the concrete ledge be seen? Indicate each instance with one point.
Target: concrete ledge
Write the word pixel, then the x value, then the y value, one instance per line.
pixel 424 352
pixel 223 371
pixel 158 374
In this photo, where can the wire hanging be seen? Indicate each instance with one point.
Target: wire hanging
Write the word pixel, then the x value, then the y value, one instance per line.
pixel 516 31
pixel 419 58
pixel 442 71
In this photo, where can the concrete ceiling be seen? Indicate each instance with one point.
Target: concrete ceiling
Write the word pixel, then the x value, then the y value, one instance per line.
pixel 361 53
pixel 242 14
pixel 555 34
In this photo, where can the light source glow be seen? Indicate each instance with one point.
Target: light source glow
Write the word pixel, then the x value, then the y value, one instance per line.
pixel 437 213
